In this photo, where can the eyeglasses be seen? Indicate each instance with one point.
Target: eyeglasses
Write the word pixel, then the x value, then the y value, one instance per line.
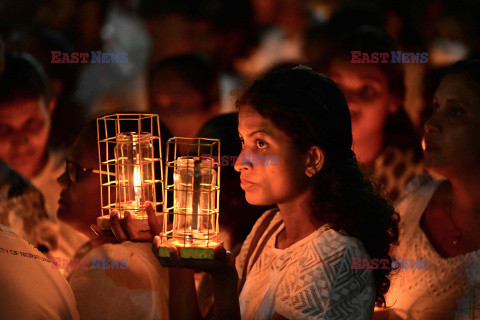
pixel 76 171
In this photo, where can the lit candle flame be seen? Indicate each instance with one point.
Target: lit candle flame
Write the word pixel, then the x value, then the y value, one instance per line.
pixel 137 184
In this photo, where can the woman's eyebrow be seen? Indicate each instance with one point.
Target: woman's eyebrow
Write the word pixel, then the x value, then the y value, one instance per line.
pixel 268 133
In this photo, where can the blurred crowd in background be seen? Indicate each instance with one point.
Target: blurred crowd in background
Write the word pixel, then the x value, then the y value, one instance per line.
pixel 189 59
pixel 241 39
pixel 187 62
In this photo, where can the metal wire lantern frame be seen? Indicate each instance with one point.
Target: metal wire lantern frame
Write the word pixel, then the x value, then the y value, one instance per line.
pixel 199 149
pixel 108 130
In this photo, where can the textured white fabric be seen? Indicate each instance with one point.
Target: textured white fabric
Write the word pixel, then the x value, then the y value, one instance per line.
pixel 440 290
pixel 30 288
pixel 312 279
pixel 139 291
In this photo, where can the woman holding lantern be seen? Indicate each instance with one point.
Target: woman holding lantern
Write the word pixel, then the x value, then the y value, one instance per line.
pixel 323 201
pixel 113 280
pixel 297 261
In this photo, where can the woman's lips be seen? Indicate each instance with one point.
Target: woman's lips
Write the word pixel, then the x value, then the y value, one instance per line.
pixel 247 185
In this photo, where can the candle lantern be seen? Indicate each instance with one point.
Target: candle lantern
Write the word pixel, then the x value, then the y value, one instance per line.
pixel 130 160
pixel 192 193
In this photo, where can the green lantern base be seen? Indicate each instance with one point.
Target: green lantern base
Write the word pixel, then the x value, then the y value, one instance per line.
pixel 199 253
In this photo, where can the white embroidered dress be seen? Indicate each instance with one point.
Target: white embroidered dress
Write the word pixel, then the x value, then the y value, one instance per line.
pixel 440 291
pixel 312 279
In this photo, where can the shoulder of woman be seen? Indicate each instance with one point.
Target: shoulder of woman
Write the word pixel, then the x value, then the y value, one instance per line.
pixel 248 241
pixel 327 277
pixel 335 245
pixel 338 255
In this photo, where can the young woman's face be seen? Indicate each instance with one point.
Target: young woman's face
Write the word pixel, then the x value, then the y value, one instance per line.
pixel 368 96
pixel 452 134
pixel 281 178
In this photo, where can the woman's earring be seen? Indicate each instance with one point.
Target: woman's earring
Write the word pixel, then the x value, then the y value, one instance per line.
pixel 309 174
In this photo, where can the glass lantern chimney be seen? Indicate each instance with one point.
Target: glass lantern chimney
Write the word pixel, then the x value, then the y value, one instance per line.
pixel 135 172
pixel 194 200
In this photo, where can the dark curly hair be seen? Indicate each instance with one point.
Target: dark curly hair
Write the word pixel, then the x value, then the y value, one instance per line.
pixel 312 110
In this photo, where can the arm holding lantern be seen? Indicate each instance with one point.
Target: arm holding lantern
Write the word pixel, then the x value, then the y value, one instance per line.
pixel 182 290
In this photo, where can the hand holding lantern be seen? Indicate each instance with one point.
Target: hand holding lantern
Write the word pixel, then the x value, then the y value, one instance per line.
pixel 130 231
